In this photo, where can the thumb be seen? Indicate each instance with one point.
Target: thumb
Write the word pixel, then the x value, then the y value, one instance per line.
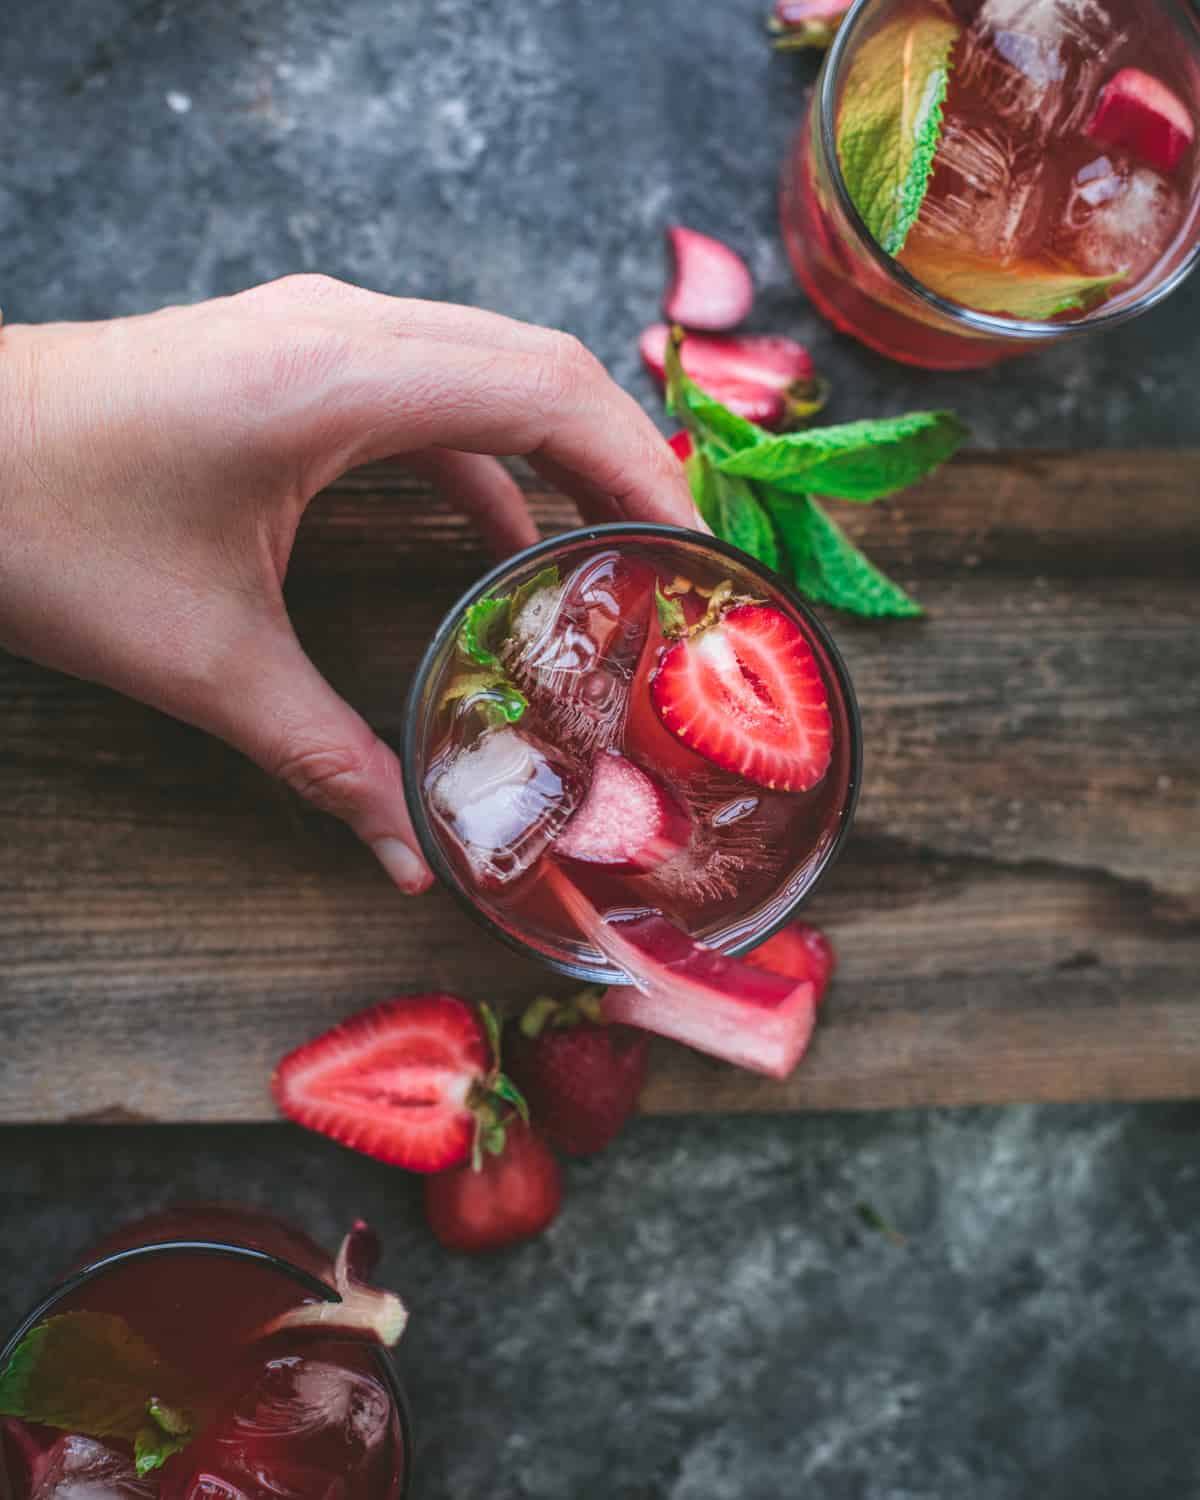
pixel 284 715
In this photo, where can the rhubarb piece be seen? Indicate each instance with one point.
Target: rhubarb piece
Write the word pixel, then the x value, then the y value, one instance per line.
pixel 414 1081
pixel 711 288
pixel 1138 113
pixel 581 1076
pixel 685 990
pixel 766 378
pixel 628 821
pixel 365 1314
pixel 743 690
pixel 509 1198
pixel 799 951
pixel 806 23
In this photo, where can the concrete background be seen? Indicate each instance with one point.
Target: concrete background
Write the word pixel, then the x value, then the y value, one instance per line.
pixel 710 1319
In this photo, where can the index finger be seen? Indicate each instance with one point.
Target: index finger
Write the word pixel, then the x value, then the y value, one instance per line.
pixel 418 375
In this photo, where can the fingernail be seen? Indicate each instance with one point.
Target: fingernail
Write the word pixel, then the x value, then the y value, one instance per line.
pixel 406 869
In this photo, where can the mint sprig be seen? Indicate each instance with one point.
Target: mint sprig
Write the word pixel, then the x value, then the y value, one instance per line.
pixel 1023 289
pixel 755 489
pixel 485 627
pixel 890 119
pixel 90 1373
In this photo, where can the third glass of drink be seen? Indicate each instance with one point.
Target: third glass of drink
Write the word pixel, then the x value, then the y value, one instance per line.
pixel 981 177
pixel 632 751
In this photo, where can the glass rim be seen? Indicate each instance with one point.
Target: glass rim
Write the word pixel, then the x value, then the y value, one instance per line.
pixel 313 1284
pixel 605 973
pixel 989 325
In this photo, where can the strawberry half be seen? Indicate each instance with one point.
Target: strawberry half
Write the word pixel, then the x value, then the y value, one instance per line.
pixel 1138 113
pixel 712 287
pixel 510 1197
pixel 765 378
pixel 799 951
pixel 743 689
pixel 581 1076
pixel 414 1081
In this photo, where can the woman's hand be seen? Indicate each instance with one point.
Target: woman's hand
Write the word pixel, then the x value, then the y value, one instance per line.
pixel 153 471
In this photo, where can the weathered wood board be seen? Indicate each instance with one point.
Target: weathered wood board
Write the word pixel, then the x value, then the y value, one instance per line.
pixel 1018 911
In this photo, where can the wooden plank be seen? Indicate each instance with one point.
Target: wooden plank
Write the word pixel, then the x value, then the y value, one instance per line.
pixel 1018 913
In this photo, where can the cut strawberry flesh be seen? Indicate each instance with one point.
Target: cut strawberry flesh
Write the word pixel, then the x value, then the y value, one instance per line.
pixel 799 951
pixel 748 696
pixel 394 1082
pixel 752 375
pixel 1138 113
pixel 646 737
pixel 685 990
pixel 628 821
pixel 711 287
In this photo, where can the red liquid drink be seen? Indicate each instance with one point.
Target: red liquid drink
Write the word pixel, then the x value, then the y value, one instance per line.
pixel 1064 186
pixel 590 785
pixel 299 1416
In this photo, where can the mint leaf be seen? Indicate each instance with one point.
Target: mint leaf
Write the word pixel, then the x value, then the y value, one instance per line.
pixel 493 688
pixel 1021 289
pixel 890 119
pixel 670 614
pixel 90 1373
pixel 546 579
pixel 707 419
pixel 483 628
pixel 826 566
pixel 855 460
pixel 167 1432
pixel 742 522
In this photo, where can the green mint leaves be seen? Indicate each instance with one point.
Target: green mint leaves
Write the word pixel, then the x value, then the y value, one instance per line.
pixel 1024 290
pixel 484 629
pixel 90 1373
pixel 755 489
pixel 890 119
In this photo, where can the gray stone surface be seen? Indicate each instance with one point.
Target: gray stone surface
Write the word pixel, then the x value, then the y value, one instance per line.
pixel 711 1320
pixel 519 154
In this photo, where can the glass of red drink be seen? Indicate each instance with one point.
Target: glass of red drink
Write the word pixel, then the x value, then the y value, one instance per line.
pixel 588 786
pixel 302 1415
pixel 1065 186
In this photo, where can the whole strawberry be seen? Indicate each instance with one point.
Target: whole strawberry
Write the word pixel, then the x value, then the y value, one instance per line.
pixel 507 1196
pixel 580 1076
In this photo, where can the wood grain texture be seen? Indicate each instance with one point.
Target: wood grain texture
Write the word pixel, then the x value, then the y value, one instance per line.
pixel 1018 911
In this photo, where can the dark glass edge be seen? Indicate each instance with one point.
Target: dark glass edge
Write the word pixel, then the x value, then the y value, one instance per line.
pixel 312 1284
pixel 639 530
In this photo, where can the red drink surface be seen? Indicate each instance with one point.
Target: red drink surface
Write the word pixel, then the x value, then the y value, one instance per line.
pixel 585 659
pixel 1025 184
pixel 290 1419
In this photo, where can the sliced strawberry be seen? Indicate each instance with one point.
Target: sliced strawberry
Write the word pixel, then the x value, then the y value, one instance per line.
pixel 510 1197
pixel 800 951
pixel 681 445
pixel 712 287
pixel 765 378
pixel 745 692
pixel 685 990
pixel 628 821
pixel 580 1076
pixel 1140 114
pixel 414 1082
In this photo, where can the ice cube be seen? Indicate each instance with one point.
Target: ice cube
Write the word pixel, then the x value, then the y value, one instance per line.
pixel 1117 220
pixel 80 1468
pixel 1035 66
pixel 502 799
pixel 302 1428
pixel 986 197
pixel 574 648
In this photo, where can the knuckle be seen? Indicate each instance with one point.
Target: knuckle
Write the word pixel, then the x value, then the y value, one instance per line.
pixel 563 372
pixel 309 288
pixel 328 778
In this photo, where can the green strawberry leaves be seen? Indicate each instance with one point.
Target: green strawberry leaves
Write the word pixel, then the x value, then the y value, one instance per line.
pixel 90 1373
pixel 670 614
pixel 861 461
pixel 1025 289
pixel 890 119
pixel 754 489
